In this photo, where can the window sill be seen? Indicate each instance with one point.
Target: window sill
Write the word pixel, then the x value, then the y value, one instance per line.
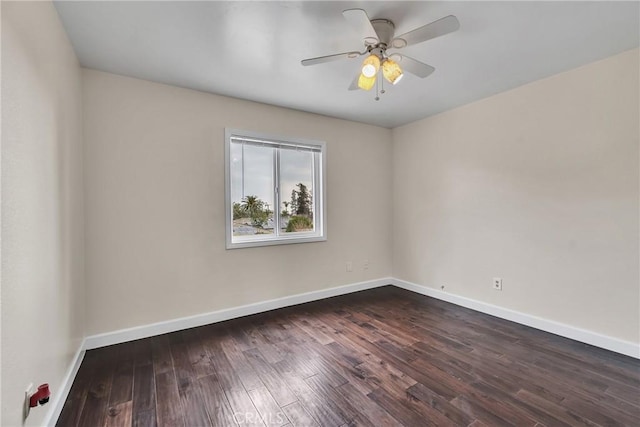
pixel 275 241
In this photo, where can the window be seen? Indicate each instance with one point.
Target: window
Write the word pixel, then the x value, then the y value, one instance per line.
pixel 274 190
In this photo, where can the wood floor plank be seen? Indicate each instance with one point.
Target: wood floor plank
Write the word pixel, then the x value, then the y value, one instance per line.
pixel 398 409
pixel 193 406
pixel 168 403
pixel 72 410
pixel 562 413
pixel 303 323
pixel 120 415
pixel 94 411
pixel 244 333
pixel 441 382
pixel 272 353
pixel 313 363
pixel 141 351
pixel 244 411
pixel 144 388
pixel 454 366
pixel 625 393
pixel 183 369
pixel 597 413
pixel 298 359
pixel 161 354
pixel 353 374
pixel 215 402
pixel 375 414
pixel 343 373
pixel 381 357
pixel 323 388
pixel 319 409
pixel 268 408
pixel 440 404
pixel 228 377
pixel 198 358
pixel 122 386
pixel 409 403
pixel 436 379
pixel 383 374
pixel 239 363
pixel 498 408
pixel 145 419
pixel 270 378
pixel 273 327
pixel 474 409
pixel 384 328
pixel 298 415
pixel 511 398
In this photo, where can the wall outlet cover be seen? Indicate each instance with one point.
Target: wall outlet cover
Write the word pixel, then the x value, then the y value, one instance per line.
pixel 29 390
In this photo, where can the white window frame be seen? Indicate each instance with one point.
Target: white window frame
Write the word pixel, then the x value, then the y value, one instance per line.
pixel 319 196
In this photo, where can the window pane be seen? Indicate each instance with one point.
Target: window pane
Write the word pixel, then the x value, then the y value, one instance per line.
pixel 274 193
pixel 252 189
pixel 296 191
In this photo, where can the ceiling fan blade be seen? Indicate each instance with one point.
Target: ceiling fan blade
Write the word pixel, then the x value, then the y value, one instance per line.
pixel 359 20
pixel 414 66
pixel 438 28
pixel 330 58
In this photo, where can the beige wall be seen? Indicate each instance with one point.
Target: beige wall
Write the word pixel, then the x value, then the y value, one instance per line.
pixel 154 171
pixel 42 206
pixel 539 186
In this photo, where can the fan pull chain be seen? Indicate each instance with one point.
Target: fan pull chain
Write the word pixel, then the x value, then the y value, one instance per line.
pixel 381 85
pixel 377 98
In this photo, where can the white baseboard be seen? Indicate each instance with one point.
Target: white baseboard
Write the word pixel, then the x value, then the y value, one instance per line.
pixel 603 341
pixel 144 331
pixel 589 337
pixel 60 395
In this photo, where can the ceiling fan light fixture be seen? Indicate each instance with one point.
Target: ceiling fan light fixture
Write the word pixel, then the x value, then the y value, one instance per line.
pixel 370 66
pixel 366 83
pixel 391 71
pixel 378 36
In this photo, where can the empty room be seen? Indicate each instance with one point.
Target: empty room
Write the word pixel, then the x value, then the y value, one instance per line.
pixel 320 213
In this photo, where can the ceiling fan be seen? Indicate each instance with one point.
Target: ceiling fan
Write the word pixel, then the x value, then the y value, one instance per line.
pixel 378 36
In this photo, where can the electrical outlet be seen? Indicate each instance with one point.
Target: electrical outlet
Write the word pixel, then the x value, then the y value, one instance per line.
pixel 29 390
pixel 497 283
pixel 349 266
pixel 365 264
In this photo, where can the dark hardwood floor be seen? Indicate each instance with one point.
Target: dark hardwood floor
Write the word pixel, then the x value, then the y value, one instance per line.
pixel 384 357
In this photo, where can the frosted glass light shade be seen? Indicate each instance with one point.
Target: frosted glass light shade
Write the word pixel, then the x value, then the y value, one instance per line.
pixel 370 66
pixel 391 71
pixel 366 83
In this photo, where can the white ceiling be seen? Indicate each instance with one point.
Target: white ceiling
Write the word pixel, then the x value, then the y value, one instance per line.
pixel 252 50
